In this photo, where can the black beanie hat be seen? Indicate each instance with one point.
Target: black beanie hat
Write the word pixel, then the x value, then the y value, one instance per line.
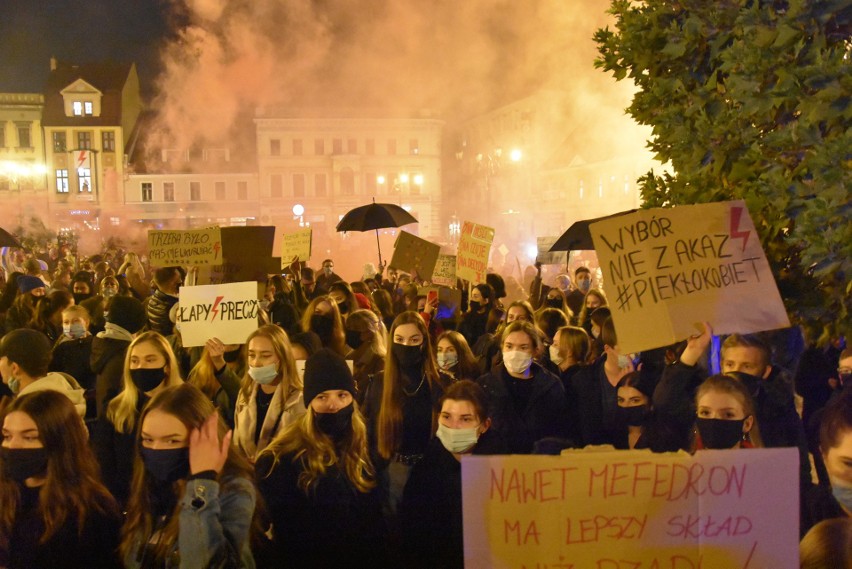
pixel 127 312
pixel 324 371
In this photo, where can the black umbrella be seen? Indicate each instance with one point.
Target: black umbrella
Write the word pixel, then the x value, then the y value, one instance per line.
pixel 578 237
pixel 375 216
pixel 8 240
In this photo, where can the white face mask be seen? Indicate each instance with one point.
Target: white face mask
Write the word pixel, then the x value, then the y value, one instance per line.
pixel 446 360
pixel 554 355
pixel 516 361
pixel 457 441
pixel 264 375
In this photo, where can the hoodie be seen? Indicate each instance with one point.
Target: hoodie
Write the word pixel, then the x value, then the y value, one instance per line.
pixel 63 383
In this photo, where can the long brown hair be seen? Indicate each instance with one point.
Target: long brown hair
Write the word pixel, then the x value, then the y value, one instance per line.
pixel 192 408
pixel 338 333
pixel 390 412
pixel 283 351
pixel 468 367
pixel 72 487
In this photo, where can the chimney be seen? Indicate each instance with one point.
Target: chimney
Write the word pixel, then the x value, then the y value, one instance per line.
pixel 52 63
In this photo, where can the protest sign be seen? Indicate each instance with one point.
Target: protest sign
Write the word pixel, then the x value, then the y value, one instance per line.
pixel 413 253
pixel 181 247
pixel 632 509
pixel 545 256
pixel 225 311
pixel 667 270
pixel 474 246
pixel 296 244
pixel 445 271
pixel 247 256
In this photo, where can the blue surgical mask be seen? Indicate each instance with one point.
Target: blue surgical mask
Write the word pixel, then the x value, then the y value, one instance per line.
pixel 841 493
pixel 264 375
pixel 74 331
pixel 14 385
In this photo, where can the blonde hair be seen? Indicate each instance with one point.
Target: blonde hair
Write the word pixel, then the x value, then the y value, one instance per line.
pixel 730 386
pixel 827 544
pixel 77 311
pixel 121 411
pixel 283 351
pixel 366 320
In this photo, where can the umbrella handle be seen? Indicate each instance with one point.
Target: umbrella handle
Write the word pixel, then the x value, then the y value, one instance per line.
pixel 378 244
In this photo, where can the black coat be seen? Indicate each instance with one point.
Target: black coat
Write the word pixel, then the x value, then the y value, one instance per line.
pixel 107 361
pixel 115 453
pixel 587 396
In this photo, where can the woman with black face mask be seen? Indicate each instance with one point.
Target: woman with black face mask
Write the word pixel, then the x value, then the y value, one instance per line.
pixel 317 479
pixel 322 317
pixel 474 321
pixel 367 337
pixel 54 510
pixel 192 501
pixel 637 425
pixel 149 367
pixel 725 415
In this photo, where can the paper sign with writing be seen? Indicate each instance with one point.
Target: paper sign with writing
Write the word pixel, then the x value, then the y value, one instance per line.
pixel 247 255
pixel 225 311
pixel 413 253
pixel 735 509
pixel 185 247
pixel 296 244
pixel 667 270
pixel 474 246
pixel 445 271
pixel 545 256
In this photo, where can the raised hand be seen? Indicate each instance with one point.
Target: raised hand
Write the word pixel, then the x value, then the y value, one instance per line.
pixel 696 345
pixel 205 450
pixel 216 349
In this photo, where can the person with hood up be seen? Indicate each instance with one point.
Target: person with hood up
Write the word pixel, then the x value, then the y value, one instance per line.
pixel 24 360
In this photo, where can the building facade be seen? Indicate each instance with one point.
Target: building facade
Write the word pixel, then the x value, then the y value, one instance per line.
pixel 23 184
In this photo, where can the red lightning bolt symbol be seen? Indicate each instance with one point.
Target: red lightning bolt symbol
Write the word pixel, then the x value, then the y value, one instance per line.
pixel 216 247
pixel 215 310
pixel 736 215
pixel 81 158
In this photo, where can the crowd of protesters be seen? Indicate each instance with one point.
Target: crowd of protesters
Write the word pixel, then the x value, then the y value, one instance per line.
pixel 333 436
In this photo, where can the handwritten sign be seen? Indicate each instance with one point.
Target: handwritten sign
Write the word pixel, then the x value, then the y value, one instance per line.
pixel 445 271
pixel 474 246
pixel 680 266
pixel 225 311
pixel 413 253
pixel 247 253
pixel 185 247
pixel 296 244
pixel 632 509
pixel 545 256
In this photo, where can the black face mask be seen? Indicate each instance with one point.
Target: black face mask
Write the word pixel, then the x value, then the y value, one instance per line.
pixel 336 425
pixel 81 296
pixel 632 416
pixel 166 465
pixel 22 463
pixel 231 356
pixel 554 303
pixel 322 325
pixel 353 339
pixel 146 379
pixel 720 433
pixel 475 305
pixel 409 357
pixel 343 307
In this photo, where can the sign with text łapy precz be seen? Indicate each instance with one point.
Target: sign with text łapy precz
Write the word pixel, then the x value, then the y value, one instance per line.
pixel 225 311
pixel 732 509
pixel 184 247
pixel 666 270
pixel 474 248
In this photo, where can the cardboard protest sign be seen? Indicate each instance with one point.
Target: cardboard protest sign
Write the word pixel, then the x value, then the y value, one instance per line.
pixel 247 256
pixel 413 253
pixel 474 246
pixel 545 256
pixel 445 271
pixel 632 509
pixel 181 247
pixel 296 244
pixel 667 270
pixel 225 311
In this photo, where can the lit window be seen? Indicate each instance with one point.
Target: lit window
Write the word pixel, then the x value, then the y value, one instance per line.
pixel 84 180
pixel 62 181
pixel 77 107
pixel 147 191
pixel 87 108
pixel 114 221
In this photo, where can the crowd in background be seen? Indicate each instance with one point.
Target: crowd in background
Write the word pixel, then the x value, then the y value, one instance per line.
pixel 332 437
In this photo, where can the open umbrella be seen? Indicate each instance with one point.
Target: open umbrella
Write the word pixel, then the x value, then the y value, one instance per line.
pixel 578 237
pixel 375 216
pixel 7 239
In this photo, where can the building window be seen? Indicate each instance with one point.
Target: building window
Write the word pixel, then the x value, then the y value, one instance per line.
pixel 391 147
pixel 413 146
pixel 370 183
pixel 77 108
pixel 416 184
pixel 195 191
pixel 297 147
pixel 168 191
pixel 220 191
pixel 369 147
pixel 84 180
pixel 347 182
pixel 115 221
pixel 84 140
pixel 275 147
pixel 147 191
pixel 319 147
pixel 88 108
pixel 62 181
pixel 59 142
pixel 276 186
pixel 337 146
pixel 298 185
pixel 108 140
pixel 242 190
pixel 24 140
pixel 320 188
pixel 352 146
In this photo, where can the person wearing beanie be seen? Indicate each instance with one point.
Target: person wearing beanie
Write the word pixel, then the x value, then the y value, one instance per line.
pixel 317 478
pixel 31 284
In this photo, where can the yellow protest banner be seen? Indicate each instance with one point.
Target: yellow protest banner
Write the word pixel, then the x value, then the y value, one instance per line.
pixel 411 253
pixel 225 311
pixel 296 244
pixel 445 271
pixel 731 509
pixel 667 270
pixel 184 247
pixel 474 246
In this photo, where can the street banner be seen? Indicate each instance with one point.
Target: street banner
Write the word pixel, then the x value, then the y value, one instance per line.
pixel 181 247
pixel 732 509
pixel 545 256
pixel 445 271
pixel 413 253
pixel 296 244
pixel 474 246
pixel 247 256
pixel 225 311
pixel 666 270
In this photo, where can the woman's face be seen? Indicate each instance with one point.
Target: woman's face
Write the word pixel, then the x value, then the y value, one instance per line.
pixel 838 460
pixel 631 397
pixel 592 301
pixel 476 296
pixel 322 308
pixel 337 296
pixel 445 347
pixel 408 335
pixel 516 313
pixel 68 320
pixel 20 431
pixel 261 352
pixel 145 355
pixel 331 401
pixel 457 414
pixel 161 430
pixel 717 405
pixel 518 341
